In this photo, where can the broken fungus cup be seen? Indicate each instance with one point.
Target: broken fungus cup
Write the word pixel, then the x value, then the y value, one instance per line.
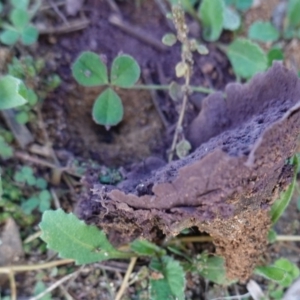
pixel 225 187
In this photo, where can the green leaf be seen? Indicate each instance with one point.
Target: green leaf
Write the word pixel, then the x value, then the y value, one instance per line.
pixel 29 205
pixel 145 248
pixel 272 236
pixel 213 269
pixel 271 273
pixel 293 15
pixel 159 289
pixel 39 288
pixel 29 35
pixel 231 19
pixel 169 39
pixel 41 183
pixel 274 54
pixel 72 238
pixel 243 5
pixel 212 18
pixel 19 18
pixel 6 151
pixel 89 70
pixel 263 32
pixel 32 97
pixel 125 71
pixel 281 204
pixel 108 108
pixel 183 148
pixel 9 37
pixel 22 117
pixel 173 275
pixel 246 57
pixel 13 92
pixel 45 200
pixel 289 267
pixel 22 4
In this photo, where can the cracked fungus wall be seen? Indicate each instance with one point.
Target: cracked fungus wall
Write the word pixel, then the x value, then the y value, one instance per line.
pixel 225 187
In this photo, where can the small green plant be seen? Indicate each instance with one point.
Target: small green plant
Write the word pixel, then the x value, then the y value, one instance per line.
pixel 41 199
pixel 89 70
pixel 20 27
pixel 247 57
pixel 32 72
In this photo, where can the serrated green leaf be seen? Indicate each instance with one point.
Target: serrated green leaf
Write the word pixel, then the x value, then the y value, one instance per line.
pixel 72 238
pixel 9 37
pixel 293 15
pixel 145 248
pixel 125 71
pixel 213 269
pixel 173 275
pixel 89 70
pixel 13 92
pixel 274 54
pixel 282 203
pixel 263 32
pixel 212 18
pixel 19 18
pixel 108 108
pixel 246 57
pixel 231 19
pixel 159 289
pixel 29 35
pixel 22 4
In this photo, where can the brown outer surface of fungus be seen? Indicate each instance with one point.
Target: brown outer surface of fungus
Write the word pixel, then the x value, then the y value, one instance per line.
pixel 225 187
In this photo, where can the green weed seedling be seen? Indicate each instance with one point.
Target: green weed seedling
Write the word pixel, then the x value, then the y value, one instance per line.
pixel 31 71
pixel 89 70
pixel 38 200
pixel 247 57
pixel 20 27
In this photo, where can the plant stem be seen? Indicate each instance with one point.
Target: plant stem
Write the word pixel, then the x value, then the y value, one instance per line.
pixel 199 89
pixel 182 111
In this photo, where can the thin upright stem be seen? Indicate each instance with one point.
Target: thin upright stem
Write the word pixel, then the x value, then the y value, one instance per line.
pixel 182 111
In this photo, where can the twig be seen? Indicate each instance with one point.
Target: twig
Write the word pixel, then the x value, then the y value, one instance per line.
pixel 137 33
pixel 13 287
pixel 59 13
pixel 24 268
pixel 232 297
pixel 32 237
pixel 55 198
pixel 126 278
pixel 72 26
pixel 113 6
pixel 288 238
pixel 164 10
pixel 54 286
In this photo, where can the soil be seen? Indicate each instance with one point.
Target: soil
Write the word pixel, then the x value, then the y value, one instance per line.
pixel 141 133
pixel 146 132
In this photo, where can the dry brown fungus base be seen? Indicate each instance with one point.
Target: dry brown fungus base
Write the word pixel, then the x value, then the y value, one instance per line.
pixel 241 141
